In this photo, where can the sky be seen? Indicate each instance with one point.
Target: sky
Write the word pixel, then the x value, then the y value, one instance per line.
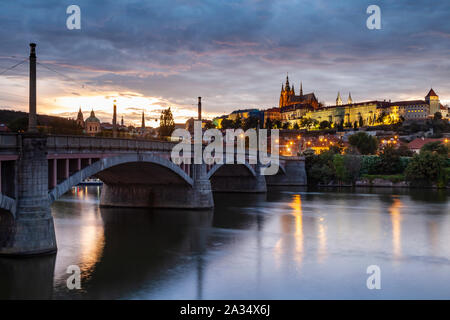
pixel 149 55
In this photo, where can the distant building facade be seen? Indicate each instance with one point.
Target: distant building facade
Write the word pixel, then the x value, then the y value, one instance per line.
pixel 92 125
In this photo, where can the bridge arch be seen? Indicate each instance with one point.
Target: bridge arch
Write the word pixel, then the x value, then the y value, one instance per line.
pixel 217 166
pixel 106 163
pixel 236 177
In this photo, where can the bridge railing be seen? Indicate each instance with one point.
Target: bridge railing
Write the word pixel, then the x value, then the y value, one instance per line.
pixel 9 143
pixel 83 143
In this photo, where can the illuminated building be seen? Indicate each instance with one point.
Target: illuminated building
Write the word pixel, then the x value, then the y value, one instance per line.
pixel 272 114
pixel 433 101
pixel 374 112
pixel 288 97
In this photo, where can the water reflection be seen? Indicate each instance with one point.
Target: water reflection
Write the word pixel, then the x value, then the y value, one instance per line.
pixel 322 237
pixel 291 243
pixel 394 211
pixel 29 278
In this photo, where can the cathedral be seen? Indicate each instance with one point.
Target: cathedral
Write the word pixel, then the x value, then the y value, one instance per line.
pixel 288 97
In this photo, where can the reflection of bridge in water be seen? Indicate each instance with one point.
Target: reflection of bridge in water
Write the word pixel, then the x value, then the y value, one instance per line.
pixel 118 254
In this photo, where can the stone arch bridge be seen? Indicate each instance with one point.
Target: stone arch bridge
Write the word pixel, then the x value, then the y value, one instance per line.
pixel 36 170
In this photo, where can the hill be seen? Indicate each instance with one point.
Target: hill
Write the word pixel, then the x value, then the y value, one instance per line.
pixel 17 121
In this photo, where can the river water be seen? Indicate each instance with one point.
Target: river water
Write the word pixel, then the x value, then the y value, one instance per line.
pixel 291 243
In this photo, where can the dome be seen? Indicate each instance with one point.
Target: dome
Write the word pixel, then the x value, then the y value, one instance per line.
pixel 92 118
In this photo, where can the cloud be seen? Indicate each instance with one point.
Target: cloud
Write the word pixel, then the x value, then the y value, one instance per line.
pixel 234 53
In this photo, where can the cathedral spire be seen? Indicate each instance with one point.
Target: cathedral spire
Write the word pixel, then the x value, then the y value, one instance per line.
pixel 301 89
pixel 350 101
pixel 338 99
pixel 80 120
pixel 287 82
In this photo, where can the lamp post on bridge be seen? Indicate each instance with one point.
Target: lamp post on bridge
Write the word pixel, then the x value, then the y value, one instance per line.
pixel 200 108
pixel 32 117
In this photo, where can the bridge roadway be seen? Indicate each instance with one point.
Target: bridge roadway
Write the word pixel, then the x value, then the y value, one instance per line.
pixel 35 170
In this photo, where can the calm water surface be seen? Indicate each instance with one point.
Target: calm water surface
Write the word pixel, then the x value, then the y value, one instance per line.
pixel 292 243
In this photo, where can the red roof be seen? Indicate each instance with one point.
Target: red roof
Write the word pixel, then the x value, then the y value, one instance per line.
pixel 431 93
pixel 419 142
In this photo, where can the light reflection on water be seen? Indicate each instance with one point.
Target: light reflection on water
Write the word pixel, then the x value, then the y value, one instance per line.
pixel 289 244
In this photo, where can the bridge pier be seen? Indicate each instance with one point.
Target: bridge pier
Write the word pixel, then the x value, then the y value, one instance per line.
pixel 293 173
pixel 181 196
pixel 31 230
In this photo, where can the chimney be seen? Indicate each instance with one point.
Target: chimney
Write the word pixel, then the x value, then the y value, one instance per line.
pixel 200 108
pixel 32 118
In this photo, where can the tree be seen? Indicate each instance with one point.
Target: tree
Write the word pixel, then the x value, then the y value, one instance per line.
pixel 437 116
pixel 19 124
pixel 250 122
pixel 166 124
pixel 237 123
pixel 227 124
pixel 324 125
pixel 319 168
pixel 365 143
pixel 209 125
pixel 403 151
pixel 296 126
pixel 390 162
pixel 277 124
pixel 427 168
pixel 353 166
pixel 382 116
pixel 361 122
pixel 340 125
pixel 435 147
pixel 339 168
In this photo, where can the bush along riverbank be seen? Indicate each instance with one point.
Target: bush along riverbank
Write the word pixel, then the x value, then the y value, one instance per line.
pixel 429 168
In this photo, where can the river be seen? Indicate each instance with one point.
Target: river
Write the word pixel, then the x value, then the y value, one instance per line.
pixel 291 243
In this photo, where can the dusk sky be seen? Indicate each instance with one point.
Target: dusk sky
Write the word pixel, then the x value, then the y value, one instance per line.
pixel 235 54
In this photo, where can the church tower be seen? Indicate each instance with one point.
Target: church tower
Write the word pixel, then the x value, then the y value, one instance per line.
pixel 349 100
pixel 80 120
pixel 286 93
pixel 338 99
pixel 301 89
pixel 433 100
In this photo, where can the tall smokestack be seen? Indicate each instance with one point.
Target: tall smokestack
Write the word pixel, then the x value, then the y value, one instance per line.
pixel 32 118
pixel 200 108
